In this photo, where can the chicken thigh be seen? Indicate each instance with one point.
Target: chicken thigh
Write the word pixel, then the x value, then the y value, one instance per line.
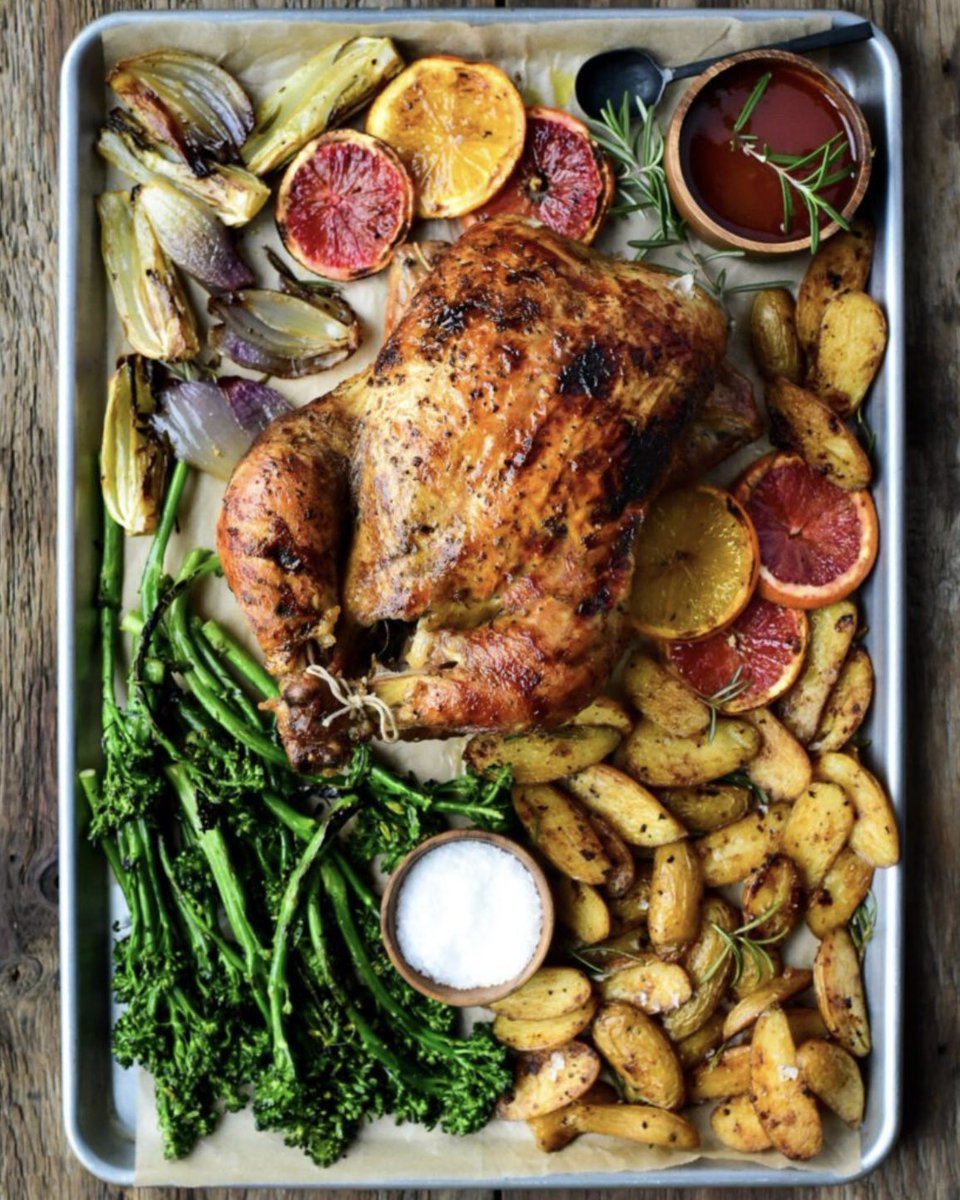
pixel 450 530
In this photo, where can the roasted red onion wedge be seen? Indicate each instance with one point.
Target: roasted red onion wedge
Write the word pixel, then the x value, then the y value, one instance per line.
pixel 187 101
pixel 211 425
pixel 192 236
pixel 283 334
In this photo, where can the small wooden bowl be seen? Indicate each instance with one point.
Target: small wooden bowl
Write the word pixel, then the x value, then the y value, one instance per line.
pixel 701 222
pixel 463 997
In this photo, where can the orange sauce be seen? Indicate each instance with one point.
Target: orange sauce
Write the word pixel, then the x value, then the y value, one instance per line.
pixel 794 116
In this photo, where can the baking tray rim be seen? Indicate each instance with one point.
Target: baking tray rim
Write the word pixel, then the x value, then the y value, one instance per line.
pixel 705 1172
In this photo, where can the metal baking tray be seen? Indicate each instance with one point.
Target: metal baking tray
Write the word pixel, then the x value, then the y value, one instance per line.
pixel 99 1100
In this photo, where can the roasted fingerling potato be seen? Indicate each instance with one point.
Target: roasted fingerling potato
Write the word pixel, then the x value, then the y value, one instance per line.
pixel 773 335
pixel 581 909
pixel 548 1080
pixel 850 348
pixel 774 891
pixel 549 992
pixel 640 1053
pixel 800 421
pixel 832 630
pixel 781 767
pixel 786 1110
pixel 842 264
pixel 660 759
pixel 847 704
pixel 559 829
pixel 709 806
pixel 634 812
pixel 544 755
pixel 676 889
pixel 657 693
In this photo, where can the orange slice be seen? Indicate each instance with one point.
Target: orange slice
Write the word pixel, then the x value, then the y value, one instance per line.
pixel 818 542
pixel 748 664
pixel 563 178
pixel 344 205
pixel 696 564
pixel 458 128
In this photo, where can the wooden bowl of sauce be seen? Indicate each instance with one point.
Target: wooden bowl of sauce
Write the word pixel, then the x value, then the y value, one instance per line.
pixel 721 188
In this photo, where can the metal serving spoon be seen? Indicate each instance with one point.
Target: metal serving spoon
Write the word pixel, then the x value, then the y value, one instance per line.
pixel 605 78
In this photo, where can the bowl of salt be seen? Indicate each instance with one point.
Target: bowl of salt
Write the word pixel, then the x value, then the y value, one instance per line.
pixel 467 917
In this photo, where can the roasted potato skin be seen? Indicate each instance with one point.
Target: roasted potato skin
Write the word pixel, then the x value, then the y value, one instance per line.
pixel 638 1050
pixel 817 829
pixel 800 421
pixel 541 1086
pixel 842 264
pixel 676 889
pixel 874 835
pixel 728 855
pixel 773 335
pixel 842 890
pixel 776 886
pixel 634 812
pixel 781 767
pixel 660 759
pixel 709 806
pixel 847 703
pixel 787 1112
pixel 737 1124
pixel 700 963
pixel 834 1077
pixel 850 348
pixel 582 909
pixel 832 630
pixel 655 692
pixel 839 989
pixel 557 825
pixel 547 1034
pixel 544 755
pixel 549 992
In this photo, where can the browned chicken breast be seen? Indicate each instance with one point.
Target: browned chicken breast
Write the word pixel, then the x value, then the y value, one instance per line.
pixel 453 526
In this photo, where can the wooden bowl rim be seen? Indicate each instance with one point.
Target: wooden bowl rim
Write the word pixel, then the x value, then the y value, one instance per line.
pixel 464 997
pixel 682 194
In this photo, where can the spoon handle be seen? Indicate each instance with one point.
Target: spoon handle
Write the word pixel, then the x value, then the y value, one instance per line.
pixel 839 35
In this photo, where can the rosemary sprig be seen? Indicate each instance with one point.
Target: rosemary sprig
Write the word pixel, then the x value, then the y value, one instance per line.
pixel 742 779
pixel 735 686
pixel 637 156
pixel 738 943
pixel 821 167
pixel 863 923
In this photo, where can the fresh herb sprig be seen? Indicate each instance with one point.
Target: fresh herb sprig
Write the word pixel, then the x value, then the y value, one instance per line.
pixel 808 176
pixel 738 944
pixel 735 686
pixel 863 923
pixel 633 139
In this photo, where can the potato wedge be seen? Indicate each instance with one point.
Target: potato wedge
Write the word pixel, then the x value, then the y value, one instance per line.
pixel 781 767
pixel 548 1080
pixel 793 981
pixel 805 1023
pixel 653 1126
pixel 729 854
pixel 640 1053
pixel 843 889
pixel 834 1077
pixel 737 1125
pixel 710 806
pixel 701 1044
pixel 604 711
pixel 581 909
pixel 817 830
pixel 700 962
pixel 545 1034
pixel 545 755
pixel 773 335
pixel 555 1130
pixel 658 694
pixel 756 972
pixel 676 889
pixel 847 703
pixel 801 421
pixel 636 814
pixel 623 869
pixel 726 1074
pixel 652 985
pixel 839 989
pixel 787 1112
pixel 548 993
pixel 840 265
pixel 633 907
pixel 832 629
pixel 560 830
pixel 774 887
pixel 850 348
pixel 874 835
pixel 661 759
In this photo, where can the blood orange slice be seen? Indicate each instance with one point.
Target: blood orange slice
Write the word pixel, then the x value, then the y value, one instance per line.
pixel 458 126
pixel 345 204
pixel 749 663
pixel 563 177
pixel 818 542
pixel 696 564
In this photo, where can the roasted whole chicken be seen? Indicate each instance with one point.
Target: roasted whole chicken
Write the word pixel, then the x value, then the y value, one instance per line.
pixel 443 543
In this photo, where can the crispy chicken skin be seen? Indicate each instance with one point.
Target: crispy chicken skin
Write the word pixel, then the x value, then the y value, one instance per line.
pixel 480 484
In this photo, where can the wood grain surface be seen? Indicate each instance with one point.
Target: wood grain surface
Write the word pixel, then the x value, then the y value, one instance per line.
pixel 35 1163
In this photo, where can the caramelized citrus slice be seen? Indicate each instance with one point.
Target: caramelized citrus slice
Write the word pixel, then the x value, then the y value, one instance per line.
pixel 696 564
pixel 818 542
pixel 563 177
pixel 458 128
pixel 345 203
pixel 748 664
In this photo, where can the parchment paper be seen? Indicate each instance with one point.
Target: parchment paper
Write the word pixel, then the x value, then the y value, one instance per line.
pixel 543 59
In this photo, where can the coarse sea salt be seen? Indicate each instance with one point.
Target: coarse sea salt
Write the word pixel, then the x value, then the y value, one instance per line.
pixel 468 915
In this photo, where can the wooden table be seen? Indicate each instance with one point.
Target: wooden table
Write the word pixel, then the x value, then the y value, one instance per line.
pixel 34 1160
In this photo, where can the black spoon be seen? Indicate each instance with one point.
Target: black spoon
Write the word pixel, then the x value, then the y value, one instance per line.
pixel 605 78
